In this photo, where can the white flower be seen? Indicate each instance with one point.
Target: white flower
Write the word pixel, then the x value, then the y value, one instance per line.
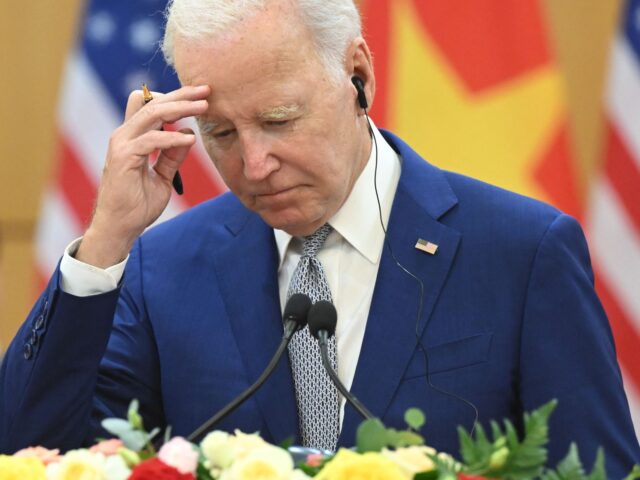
pixel 217 449
pixel 265 463
pixel 298 475
pixel 179 454
pixel 85 465
pixel 115 468
pixel 222 449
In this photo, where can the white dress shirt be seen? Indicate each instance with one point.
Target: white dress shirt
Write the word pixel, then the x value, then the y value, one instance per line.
pixel 350 257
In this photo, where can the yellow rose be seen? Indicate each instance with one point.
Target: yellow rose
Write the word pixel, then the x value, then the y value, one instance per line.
pixel 21 468
pixel 265 463
pixel 411 460
pixel 245 443
pixel 348 465
pixel 78 465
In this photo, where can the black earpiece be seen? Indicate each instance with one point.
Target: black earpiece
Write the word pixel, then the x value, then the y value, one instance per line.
pixel 362 97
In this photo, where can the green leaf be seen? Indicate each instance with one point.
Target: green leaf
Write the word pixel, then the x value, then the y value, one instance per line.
pixel 633 474
pixel 432 475
pixel 116 426
pixel 134 439
pixel 202 473
pixel 402 438
pixel 414 418
pixel 446 467
pixel 167 434
pixel 528 457
pixel 286 443
pixel 598 472
pixel 505 455
pixel 133 416
pixel 570 468
pixel 371 436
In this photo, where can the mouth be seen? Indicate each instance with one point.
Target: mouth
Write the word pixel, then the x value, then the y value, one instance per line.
pixel 276 193
pixel 276 197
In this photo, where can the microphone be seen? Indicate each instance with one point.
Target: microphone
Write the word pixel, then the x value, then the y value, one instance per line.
pixel 294 318
pixel 322 325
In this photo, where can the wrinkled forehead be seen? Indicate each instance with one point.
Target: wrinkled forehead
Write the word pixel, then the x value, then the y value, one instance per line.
pixel 266 29
pixel 264 48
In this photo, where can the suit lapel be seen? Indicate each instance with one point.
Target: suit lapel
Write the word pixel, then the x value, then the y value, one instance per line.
pixel 423 196
pixel 248 271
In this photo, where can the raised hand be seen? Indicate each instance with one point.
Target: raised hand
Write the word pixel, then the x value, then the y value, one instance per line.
pixel 133 193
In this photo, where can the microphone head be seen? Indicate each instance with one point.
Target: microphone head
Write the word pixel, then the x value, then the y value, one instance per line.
pixel 297 309
pixel 322 316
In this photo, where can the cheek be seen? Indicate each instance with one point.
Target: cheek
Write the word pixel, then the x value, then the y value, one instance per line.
pixel 225 162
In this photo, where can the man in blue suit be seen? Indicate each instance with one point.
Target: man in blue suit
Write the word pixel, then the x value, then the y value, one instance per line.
pixel 452 295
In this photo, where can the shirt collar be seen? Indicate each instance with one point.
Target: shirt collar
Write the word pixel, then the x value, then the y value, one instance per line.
pixel 358 220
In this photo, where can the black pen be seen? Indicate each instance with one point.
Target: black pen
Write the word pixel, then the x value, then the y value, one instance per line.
pixel 177 178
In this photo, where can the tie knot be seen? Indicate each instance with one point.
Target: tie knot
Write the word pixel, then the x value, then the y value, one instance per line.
pixel 312 243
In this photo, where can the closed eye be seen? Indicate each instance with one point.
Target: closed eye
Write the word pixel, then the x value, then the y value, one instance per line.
pixel 277 123
pixel 223 133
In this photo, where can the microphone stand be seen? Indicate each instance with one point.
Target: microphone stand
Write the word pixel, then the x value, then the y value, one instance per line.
pixel 290 327
pixel 323 338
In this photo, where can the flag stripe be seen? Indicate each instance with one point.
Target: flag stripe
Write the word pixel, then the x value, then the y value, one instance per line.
pixel 624 174
pixel 623 96
pixel 76 186
pixel 616 245
pixel 613 218
pixel 87 115
pixel 626 336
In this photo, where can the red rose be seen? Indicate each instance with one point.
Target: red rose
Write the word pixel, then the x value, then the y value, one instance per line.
pixel 156 469
pixel 462 476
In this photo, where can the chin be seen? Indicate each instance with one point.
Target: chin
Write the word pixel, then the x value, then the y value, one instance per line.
pixel 295 225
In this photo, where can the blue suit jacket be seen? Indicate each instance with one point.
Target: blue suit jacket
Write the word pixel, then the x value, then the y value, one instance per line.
pixel 509 320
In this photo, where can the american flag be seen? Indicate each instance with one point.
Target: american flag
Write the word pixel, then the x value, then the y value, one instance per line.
pixel 118 50
pixel 613 213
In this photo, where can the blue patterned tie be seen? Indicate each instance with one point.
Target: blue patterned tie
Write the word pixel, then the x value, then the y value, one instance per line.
pixel 317 397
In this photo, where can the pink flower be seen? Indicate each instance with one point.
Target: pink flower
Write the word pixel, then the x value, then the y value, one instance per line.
pixel 314 459
pixel 179 454
pixel 107 447
pixel 45 455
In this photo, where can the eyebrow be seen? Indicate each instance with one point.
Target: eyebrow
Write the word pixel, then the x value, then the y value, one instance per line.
pixel 276 113
pixel 279 112
pixel 206 126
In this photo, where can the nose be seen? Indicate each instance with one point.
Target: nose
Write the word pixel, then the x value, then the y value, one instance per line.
pixel 257 158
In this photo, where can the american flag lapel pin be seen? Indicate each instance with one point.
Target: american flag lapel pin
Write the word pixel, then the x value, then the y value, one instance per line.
pixel 427 247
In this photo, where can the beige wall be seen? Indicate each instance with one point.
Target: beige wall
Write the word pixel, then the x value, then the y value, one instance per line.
pixel 34 36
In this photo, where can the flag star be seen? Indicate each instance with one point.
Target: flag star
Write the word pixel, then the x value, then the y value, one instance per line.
pixel 144 35
pixel 527 109
pixel 101 27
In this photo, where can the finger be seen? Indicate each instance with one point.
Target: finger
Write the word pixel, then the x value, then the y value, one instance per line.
pixel 154 116
pixel 136 102
pixel 161 140
pixel 170 159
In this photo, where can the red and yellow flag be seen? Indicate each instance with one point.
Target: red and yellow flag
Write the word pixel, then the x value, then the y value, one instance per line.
pixel 474 87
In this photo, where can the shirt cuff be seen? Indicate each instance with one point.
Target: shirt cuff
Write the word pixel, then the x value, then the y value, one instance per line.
pixel 82 280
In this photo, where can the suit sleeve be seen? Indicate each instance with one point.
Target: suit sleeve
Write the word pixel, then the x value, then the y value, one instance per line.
pixel 568 353
pixel 68 367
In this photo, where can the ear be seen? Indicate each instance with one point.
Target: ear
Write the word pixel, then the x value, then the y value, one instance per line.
pixel 359 62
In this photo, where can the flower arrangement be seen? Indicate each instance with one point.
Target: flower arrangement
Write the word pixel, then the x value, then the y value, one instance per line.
pixel 380 453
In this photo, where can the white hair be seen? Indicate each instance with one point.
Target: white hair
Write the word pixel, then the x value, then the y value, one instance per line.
pixel 333 24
